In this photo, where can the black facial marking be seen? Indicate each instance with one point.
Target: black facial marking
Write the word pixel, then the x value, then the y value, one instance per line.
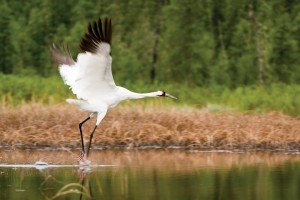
pixel 163 94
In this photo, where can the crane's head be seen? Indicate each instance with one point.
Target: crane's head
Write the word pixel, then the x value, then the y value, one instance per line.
pixel 164 94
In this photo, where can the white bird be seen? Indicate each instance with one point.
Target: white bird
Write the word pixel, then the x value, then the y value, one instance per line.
pixel 90 77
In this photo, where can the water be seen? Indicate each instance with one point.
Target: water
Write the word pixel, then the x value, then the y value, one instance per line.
pixel 150 174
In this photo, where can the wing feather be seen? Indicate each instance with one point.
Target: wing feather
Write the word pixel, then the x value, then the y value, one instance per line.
pixel 91 82
pixel 62 55
pixel 97 35
pixel 90 78
pixel 100 29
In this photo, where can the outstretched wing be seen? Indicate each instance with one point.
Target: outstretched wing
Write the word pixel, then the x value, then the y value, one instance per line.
pixel 98 37
pixel 97 40
pixel 67 66
pixel 62 55
pixel 90 78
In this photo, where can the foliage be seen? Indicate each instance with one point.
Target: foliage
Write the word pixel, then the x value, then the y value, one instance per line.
pixel 21 89
pixel 201 43
pixel 284 98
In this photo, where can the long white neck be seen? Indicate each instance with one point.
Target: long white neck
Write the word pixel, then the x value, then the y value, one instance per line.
pixel 133 95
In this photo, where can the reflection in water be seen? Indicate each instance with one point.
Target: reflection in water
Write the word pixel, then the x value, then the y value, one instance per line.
pixel 86 188
pixel 176 175
pixel 248 182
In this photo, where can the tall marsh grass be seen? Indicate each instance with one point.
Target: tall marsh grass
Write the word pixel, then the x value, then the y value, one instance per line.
pixel 151 126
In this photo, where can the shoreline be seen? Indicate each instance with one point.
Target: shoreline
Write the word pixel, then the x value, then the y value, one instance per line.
pixel 152 159
pixel 150 148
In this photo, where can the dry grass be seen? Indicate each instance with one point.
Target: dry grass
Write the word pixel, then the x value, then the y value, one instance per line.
pixel 152 126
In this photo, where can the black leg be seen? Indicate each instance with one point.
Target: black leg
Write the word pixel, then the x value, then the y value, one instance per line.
pixel 80 125
pixel 91 138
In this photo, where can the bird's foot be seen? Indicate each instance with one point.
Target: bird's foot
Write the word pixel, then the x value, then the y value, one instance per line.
pixel 84 162
pixel 81 156
pixel 83 170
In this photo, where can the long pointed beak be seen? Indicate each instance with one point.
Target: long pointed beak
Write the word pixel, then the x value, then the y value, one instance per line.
pixel 170 96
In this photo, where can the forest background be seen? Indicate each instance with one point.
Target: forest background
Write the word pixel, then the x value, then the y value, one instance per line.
pixel 241 54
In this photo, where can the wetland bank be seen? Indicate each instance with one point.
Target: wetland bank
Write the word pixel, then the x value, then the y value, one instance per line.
pixel 149 152
pixel 127 127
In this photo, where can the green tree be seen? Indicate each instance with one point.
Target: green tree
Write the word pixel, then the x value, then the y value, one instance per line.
pixel 6 50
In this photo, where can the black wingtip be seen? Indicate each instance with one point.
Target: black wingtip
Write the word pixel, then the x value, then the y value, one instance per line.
pixel 97 33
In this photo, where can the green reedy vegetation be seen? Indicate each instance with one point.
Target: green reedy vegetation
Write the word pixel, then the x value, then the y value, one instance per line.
pixel 16 90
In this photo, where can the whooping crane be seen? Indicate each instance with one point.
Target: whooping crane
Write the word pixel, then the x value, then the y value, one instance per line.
pixel 90 77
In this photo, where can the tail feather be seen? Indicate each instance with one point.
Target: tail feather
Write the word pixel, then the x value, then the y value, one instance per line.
pixel 76 102
pixel 82 104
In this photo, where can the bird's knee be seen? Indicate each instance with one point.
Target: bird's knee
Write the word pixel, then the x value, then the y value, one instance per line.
pixel 94 114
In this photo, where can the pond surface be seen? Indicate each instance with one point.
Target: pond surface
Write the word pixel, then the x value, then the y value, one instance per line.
pixel 150 174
